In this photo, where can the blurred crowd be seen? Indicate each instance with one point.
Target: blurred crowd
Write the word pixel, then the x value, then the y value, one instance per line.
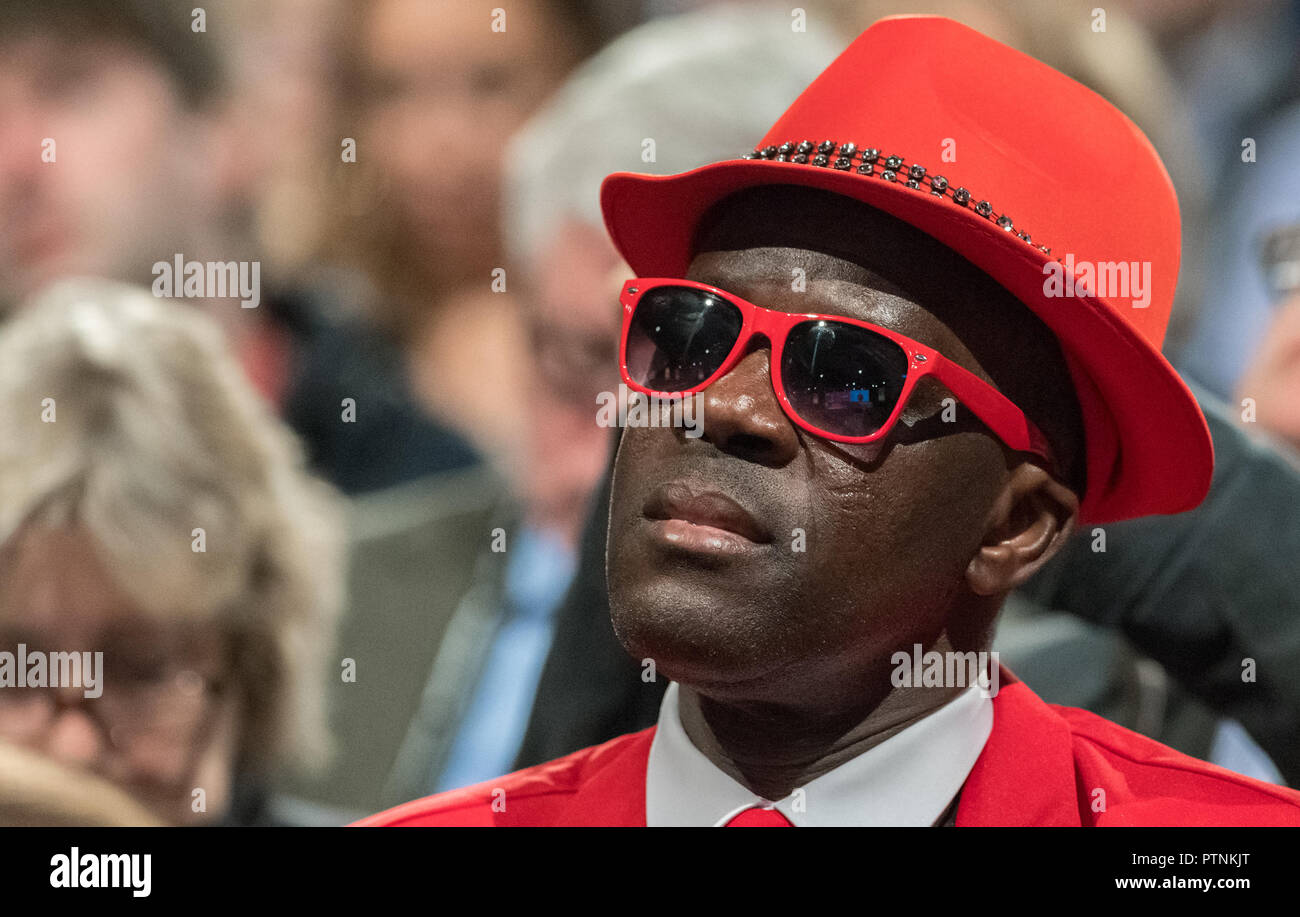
pixel 343 547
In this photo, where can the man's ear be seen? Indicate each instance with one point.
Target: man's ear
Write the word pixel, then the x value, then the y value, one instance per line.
pixel 1031 519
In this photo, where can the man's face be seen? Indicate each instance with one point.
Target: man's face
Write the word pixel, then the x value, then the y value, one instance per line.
pixel 127 174
pixel 887 531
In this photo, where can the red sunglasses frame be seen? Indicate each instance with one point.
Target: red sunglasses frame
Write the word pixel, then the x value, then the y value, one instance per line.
pixel 997 412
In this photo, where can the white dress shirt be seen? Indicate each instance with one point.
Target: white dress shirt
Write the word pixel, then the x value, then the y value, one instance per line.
pixel 909 779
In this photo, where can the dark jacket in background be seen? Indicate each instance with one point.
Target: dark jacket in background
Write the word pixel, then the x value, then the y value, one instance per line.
pixel 393 440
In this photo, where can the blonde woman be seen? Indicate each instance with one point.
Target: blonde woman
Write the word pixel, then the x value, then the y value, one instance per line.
pixel 152 510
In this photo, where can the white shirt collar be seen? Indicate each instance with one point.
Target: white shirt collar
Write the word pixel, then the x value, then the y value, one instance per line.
pixel 909 779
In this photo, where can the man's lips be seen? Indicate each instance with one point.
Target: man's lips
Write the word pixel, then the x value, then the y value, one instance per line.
pixel 701 518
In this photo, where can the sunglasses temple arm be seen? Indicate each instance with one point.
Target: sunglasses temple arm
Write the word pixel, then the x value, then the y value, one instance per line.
pixel 997 411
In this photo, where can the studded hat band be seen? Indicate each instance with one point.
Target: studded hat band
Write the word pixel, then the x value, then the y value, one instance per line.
pixel 848 157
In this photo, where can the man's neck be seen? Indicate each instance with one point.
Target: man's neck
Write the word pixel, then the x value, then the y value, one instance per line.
pixel 774 749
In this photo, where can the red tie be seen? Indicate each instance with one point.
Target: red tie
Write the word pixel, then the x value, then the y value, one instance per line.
pixel 759 818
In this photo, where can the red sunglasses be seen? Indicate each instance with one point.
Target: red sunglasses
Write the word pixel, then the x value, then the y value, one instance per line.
pixel 839 378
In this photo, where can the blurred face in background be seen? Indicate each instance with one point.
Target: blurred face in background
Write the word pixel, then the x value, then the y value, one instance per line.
pixel 131 173
pixel 442 92
pixel 573 319
pixel 1272 377
pixel 165 723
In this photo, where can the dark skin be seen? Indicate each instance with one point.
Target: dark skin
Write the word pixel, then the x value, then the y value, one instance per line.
pixel 784 657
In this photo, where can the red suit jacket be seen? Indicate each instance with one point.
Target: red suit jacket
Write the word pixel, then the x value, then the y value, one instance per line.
pixel 1043 765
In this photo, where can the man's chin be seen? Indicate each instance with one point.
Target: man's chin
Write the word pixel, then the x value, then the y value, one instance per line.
pixel 691 652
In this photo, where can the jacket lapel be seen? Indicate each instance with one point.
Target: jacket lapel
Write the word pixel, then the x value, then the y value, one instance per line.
pixel 612 791
pixel 1025 775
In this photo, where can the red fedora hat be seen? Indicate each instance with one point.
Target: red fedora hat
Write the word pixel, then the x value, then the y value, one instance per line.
pixel 1032 177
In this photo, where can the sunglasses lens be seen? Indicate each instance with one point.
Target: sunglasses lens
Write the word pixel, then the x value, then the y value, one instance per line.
pixel 841 378
pixel 679 337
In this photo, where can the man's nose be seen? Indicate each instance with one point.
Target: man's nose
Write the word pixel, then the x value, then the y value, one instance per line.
pixel 742 416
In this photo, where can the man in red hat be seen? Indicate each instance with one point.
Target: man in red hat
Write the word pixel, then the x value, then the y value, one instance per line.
pixel 915 383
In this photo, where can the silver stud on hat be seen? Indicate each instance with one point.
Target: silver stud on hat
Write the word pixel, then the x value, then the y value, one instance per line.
pixel 914 175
